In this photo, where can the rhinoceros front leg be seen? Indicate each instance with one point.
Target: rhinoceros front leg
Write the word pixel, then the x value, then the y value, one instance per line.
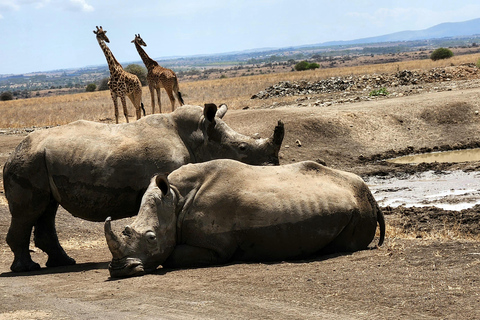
pixel 45 236
pixel 190 256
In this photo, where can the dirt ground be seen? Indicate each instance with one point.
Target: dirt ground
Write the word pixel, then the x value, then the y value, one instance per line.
pixel 428 268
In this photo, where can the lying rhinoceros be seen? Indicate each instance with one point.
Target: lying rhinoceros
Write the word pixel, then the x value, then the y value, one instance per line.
pixel 96 170
pixel 224 210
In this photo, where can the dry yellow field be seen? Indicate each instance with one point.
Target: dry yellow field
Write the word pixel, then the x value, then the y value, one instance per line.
pixel 235 92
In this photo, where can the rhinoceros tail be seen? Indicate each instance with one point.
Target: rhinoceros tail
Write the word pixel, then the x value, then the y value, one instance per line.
pixel 143 109
pixel 380 218
pixel 381 222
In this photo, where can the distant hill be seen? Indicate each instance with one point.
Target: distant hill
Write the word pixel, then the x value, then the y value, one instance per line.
pixel 443 30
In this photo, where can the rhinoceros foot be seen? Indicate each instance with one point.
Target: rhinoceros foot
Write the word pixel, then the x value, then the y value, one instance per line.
pixel 22 266
pixel 60 261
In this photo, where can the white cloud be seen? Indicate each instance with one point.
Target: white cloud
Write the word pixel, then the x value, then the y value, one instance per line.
pixel 81 5
pixel 7 5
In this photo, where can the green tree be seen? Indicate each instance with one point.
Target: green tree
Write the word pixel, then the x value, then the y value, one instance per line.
pixel 91 87
pixel 7 95
pixel 305 65
pixel 103 84
pixel 441 53
pixel 139 71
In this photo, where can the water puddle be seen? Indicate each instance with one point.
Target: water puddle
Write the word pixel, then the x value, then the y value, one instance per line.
pixel 445 156
pixel 455 190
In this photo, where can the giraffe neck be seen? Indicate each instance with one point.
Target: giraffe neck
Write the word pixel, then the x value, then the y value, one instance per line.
pixel 149 62
pixel 111 60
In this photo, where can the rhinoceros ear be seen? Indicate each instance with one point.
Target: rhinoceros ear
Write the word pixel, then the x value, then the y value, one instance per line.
pixel 209 111
pixel 221 110
pixel 162 183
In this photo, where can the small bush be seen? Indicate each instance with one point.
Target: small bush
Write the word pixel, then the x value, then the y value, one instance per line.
pixel 305 65
pixel 379 92
pixel 441 53
pixel 478 63
pixel 7 95
pixel 91 87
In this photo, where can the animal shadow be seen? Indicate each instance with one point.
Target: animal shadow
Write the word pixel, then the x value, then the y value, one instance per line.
pixel 81 267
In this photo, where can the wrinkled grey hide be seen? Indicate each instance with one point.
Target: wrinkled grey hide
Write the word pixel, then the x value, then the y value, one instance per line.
pixel 97 170
pixel 224 210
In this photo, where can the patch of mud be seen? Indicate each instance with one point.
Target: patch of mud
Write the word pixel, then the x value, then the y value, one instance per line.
pixel 454 156
pixel 390 154
pixel 434 222
pixel 455 190
pixel 443 205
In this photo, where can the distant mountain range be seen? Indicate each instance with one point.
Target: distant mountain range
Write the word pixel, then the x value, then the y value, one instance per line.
pixel 443 30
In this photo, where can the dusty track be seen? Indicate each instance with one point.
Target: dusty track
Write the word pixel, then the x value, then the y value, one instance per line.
pixel 428 275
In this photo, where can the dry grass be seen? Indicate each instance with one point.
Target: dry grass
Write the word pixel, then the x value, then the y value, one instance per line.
pixel 235 92
pixel 56 110
pixel 448 232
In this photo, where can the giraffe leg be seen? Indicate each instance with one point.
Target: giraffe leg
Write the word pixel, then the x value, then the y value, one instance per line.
pixel 136 99
pixel 115 105
pixel 124 104
pixel 159 100
pixel 152 97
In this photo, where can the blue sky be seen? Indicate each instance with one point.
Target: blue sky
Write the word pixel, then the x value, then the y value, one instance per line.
pixel 43 35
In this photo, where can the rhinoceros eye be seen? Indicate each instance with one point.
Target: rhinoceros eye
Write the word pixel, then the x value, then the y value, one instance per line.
pixel 150 235
pixel 242 146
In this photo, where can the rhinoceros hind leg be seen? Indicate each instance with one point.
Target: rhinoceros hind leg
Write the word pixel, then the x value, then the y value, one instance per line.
pixel 61 260
pixel 18 238
pixel 24 266
pixel 354 237
pixel 45 236
pixel 190 256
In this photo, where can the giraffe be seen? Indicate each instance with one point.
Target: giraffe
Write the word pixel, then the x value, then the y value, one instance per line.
pixel 158 77
pixel 121 82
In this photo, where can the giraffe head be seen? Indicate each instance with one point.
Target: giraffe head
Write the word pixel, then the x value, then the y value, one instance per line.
pixel 138 40
pixel 101 34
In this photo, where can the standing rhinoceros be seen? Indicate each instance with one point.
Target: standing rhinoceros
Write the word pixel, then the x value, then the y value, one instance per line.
pixel 96 170
pixel 224 210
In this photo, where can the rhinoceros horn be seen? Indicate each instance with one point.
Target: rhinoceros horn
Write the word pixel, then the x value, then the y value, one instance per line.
pixel 114 243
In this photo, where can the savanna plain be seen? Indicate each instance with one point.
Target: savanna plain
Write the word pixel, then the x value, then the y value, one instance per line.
pixel 428 267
